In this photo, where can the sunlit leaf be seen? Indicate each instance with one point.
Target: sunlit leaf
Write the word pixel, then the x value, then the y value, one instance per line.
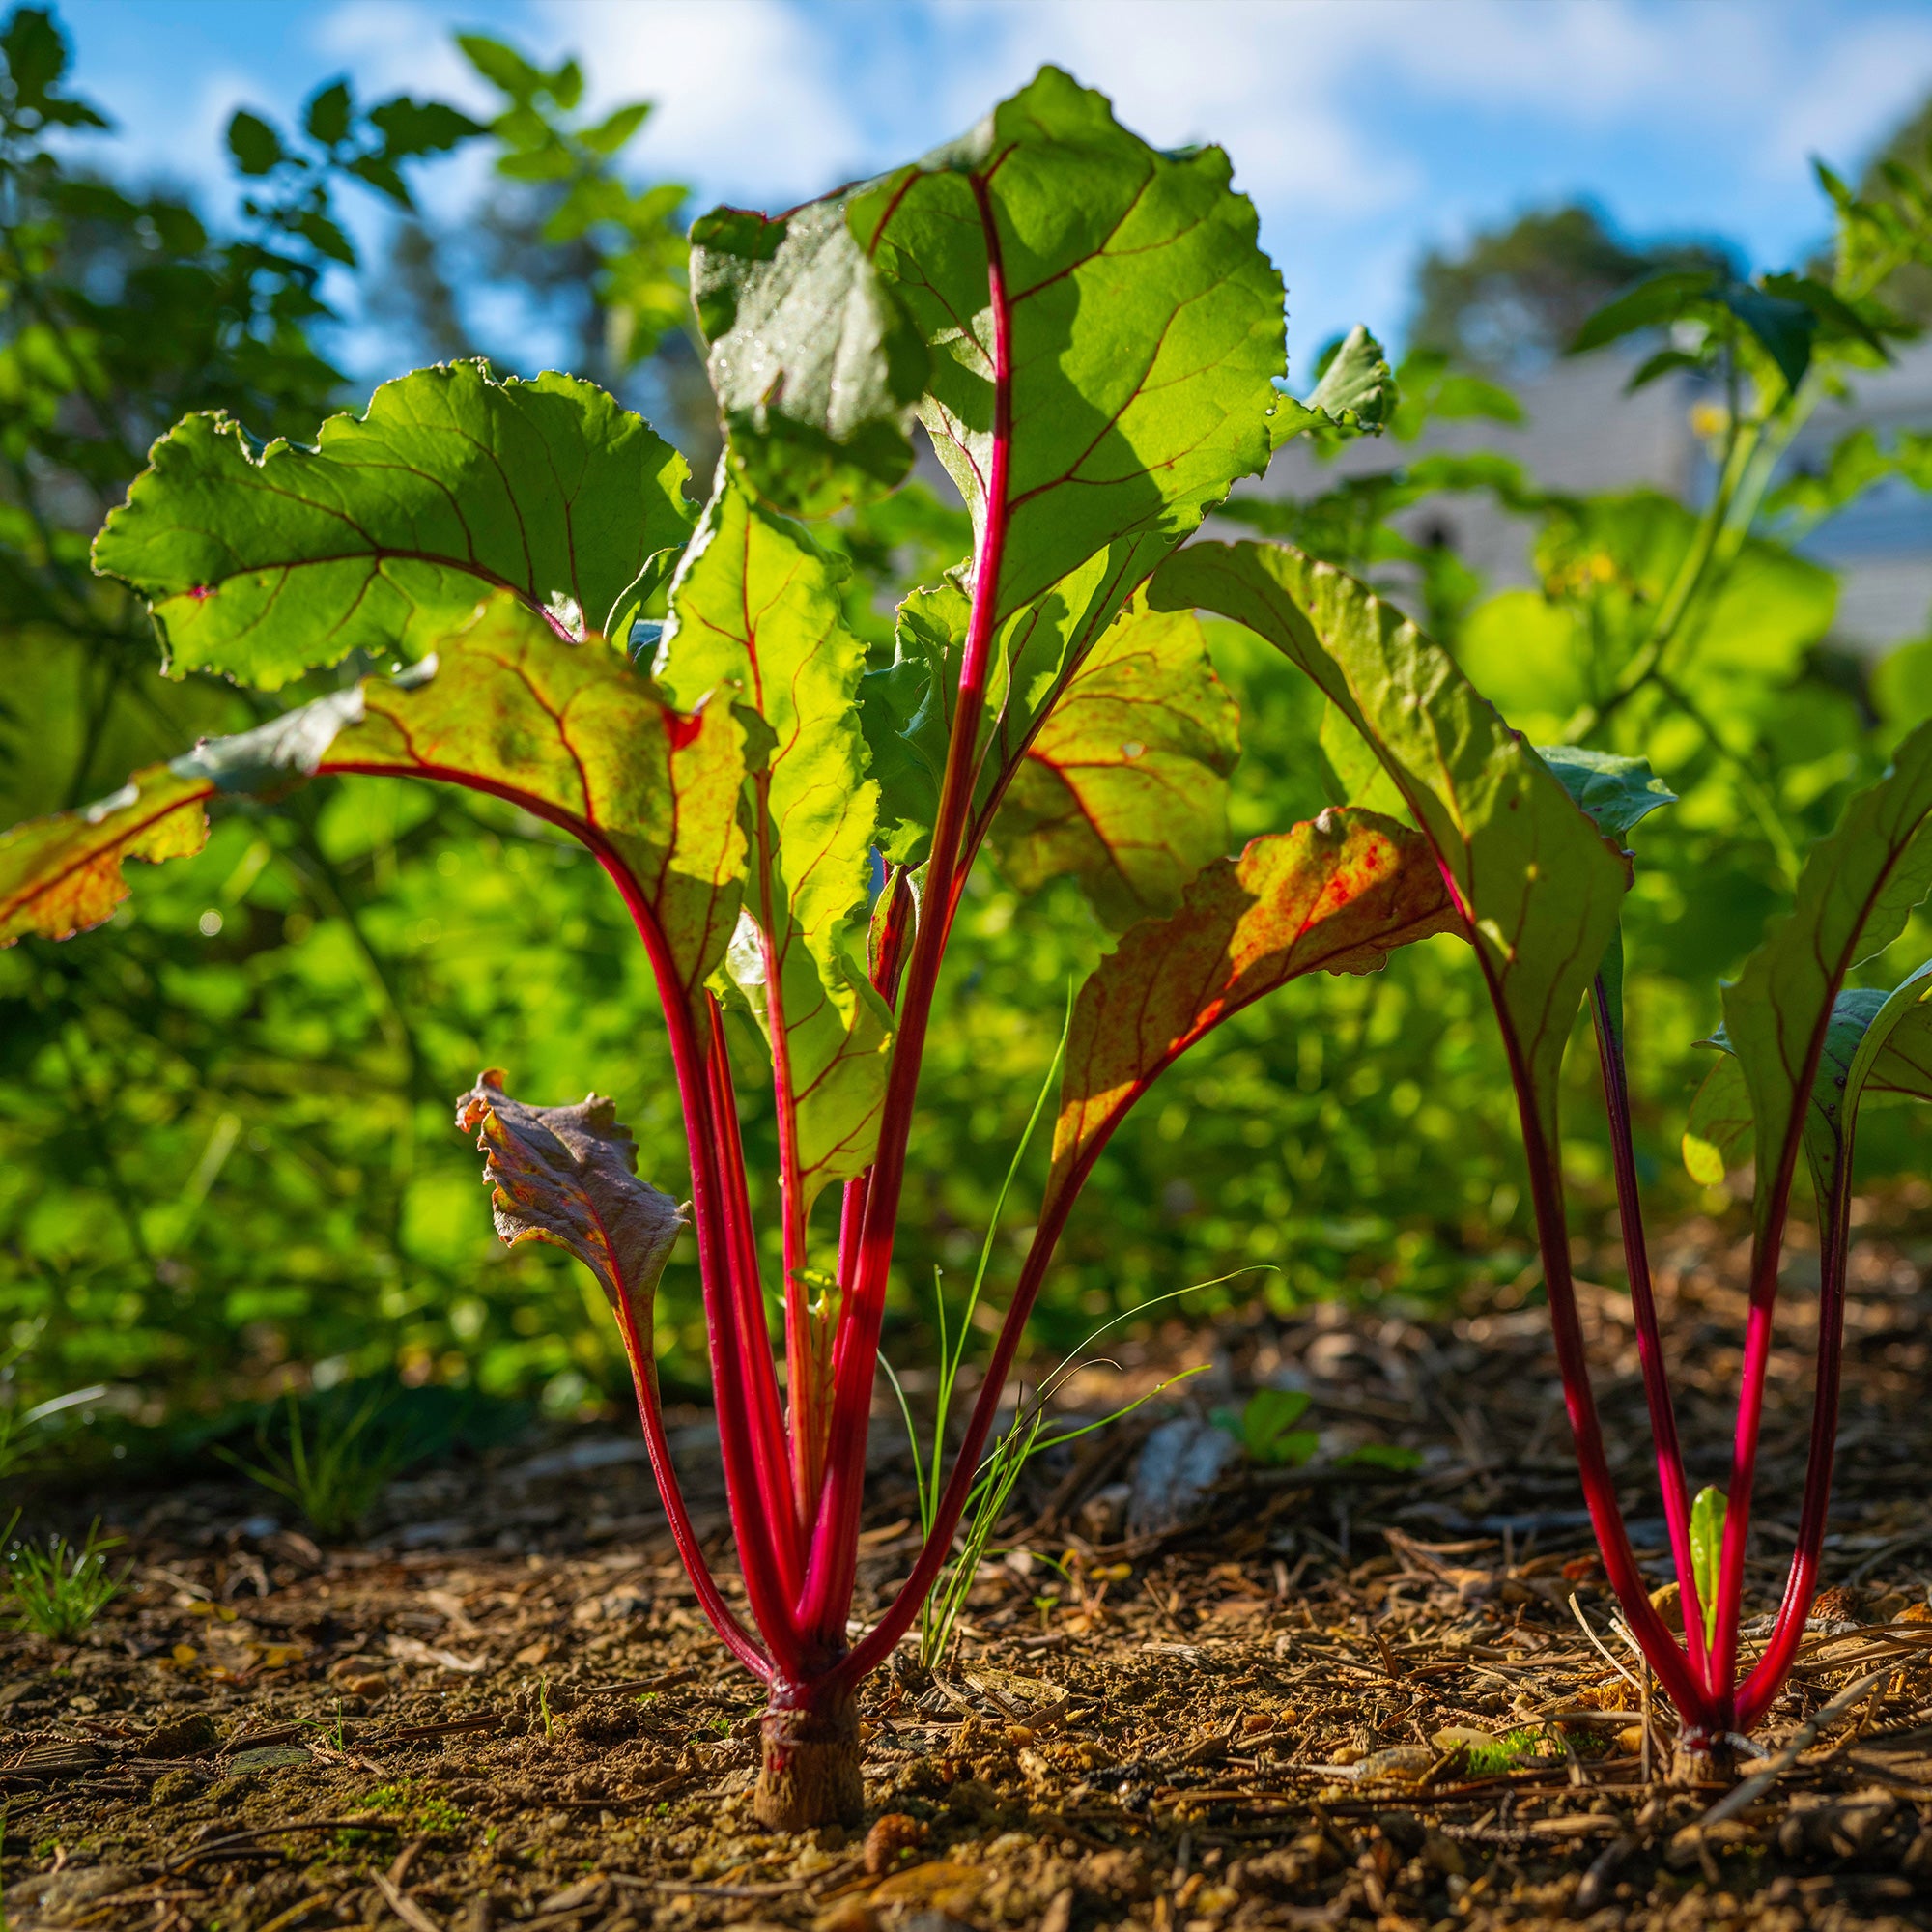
pixel 262 561
pixel 815 364
pixel 1354 397
pixel 1540 885
pixel 1616 792
pixel 1857 891
pixel 1144 331
pixel 1707 1542
pixel 60 877
pixel 1875 1042
pixel 756 616
pixel 1335 895
pixel 569 731
pixel 1719 1132
pixel 1125 786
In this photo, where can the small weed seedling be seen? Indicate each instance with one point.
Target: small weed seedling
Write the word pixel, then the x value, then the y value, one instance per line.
pixel 333 1471
pixel 59 1590
pixel 1093 341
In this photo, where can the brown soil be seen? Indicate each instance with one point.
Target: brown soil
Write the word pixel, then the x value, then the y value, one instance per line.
pixel 506 1710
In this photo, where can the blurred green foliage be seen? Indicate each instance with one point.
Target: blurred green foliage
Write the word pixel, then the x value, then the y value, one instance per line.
pixel 226 1156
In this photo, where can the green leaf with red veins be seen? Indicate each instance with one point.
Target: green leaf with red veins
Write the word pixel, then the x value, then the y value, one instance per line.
pixel 1857 890
pixel 755 613
pixel 1335 895
pixel 1541 885
pixel 568 1175
pixel 1147 336
pixel 1717 1134
pixel 570 732
pixel 814 363
pixel 1877 1042
pixel 263 562
pixel 60 877
pixel 1124 786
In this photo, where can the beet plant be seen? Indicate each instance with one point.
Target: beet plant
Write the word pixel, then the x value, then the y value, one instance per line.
pixel 1530 847
pixel 1095 344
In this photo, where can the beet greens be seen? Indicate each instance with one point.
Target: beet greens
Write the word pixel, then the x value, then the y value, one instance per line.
pixel 1530 847
pixel 1093 340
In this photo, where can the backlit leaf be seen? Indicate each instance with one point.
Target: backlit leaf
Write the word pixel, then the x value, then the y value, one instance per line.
pixel 1354 397
pixel 569 731
pixel 1719 1132
pixel 1125 783
pixel 1857 890
pixel 60 877
pixel 1876 1043
pixel 755 613
pixel 815 364
pixel 1335 895
pixel 1540 885
pixel 262 562
pixel 1707 1541
pixel 1145 333
pixel 568 1175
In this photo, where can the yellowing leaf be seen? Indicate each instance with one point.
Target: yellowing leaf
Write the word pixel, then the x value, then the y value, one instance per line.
pixel 62 875
pixel 1540 887
pixel 1337 895
pixel 569 731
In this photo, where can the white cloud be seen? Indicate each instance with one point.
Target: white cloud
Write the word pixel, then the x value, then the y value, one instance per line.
pixel 1845 99
pixel 397 47
pixel 750 100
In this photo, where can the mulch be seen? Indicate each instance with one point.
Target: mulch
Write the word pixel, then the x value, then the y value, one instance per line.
pixel 1342 1696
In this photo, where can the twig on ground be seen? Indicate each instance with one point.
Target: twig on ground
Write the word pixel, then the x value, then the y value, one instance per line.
pixel 404 1906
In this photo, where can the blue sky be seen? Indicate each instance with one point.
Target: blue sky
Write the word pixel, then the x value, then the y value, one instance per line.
pixel 1366 130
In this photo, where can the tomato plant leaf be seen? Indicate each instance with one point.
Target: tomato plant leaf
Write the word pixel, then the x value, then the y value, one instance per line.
pixel 1540 885
pixel 1335 895
pixel 569 731
pixel 568 1175
pixel 756 612
pixel 262 562
pixel 814 362
pixel 1124 786
pixel 1857 890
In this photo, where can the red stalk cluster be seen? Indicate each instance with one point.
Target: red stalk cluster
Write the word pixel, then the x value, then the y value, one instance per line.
pixel 795 1479
pixel 1699 1676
